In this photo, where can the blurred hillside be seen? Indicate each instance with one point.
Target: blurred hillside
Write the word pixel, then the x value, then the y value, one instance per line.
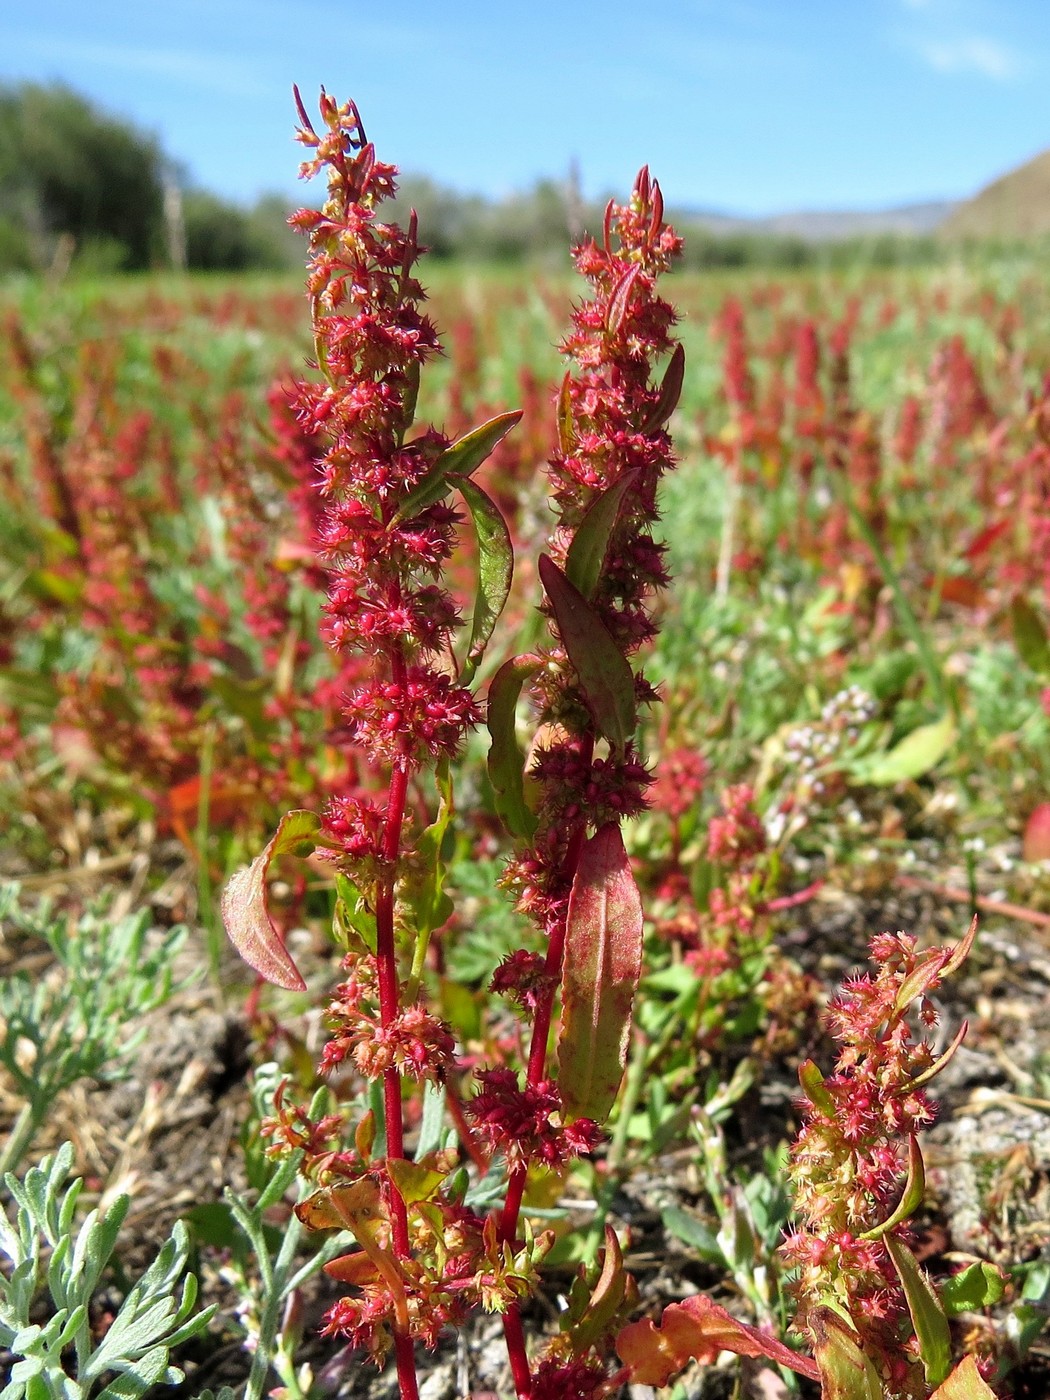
pixel 1014 207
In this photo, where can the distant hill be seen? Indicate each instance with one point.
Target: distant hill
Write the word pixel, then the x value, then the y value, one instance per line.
pixel 1015 206
pixel 830 225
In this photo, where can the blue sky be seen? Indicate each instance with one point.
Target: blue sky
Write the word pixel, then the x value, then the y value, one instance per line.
pixel 747 106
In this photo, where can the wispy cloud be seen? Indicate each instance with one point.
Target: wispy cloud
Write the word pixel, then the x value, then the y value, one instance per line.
pixel 972 54
pixel 213 72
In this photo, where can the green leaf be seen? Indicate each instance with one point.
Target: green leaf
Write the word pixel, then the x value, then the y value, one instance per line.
pixel 911 1197
pixel 927 1315
pixel 506 761
pixel 812 1081
pixel 1030 636
pixel 425 895
pixel 461 459
pixel 845 1372
pixel 590 543
pixel 495 570
pixel 600 969
pixel 244 909
pixel 354 923
pixel 603 672
pixel 247 699
pixel 979 1285
pixel 694 1233
pixel 915 755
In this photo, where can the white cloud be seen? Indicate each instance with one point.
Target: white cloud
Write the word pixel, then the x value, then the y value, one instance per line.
pixel 212 72
pixel 974 54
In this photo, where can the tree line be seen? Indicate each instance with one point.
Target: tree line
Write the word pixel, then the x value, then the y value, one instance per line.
pixel 79 185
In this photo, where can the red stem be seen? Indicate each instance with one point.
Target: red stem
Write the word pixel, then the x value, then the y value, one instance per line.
pixel 389 1009
pixel 512 1328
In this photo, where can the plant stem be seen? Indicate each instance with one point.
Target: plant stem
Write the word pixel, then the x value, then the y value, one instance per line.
pixel 389 1010
pixel 536 1071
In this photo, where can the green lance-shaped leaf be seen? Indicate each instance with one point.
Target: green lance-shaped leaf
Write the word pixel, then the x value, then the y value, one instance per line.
pixel 600 971
pixel 506 761
pixel 927 1315
pixel 590 543
pixel 1030 636
pixel 495 570
pixel 915 755
pixel 911 1197
pixel 845 1373
pixel 244 911
pixel 603 671
pixel 670 392
pixel 566 422
pixel 461 459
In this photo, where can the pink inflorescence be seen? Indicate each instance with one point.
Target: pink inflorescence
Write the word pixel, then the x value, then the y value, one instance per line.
pixel 372 339
pixel 849 1160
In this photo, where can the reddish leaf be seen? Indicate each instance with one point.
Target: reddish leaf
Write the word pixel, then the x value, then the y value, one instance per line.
pixel 621 297
pixel 1036 842
pixel 248 924
pixel 962 590
pixel 603 671
pixel 697 1330
pixel 984 539
pixel 600 971
pixel 670 392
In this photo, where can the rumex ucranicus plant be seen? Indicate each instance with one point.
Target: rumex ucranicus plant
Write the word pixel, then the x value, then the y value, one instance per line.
pixel 571 873
pixel 385 535
pixel 426 1259
pixel 877 1324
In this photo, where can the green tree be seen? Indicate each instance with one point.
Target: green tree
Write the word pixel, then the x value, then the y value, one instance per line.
pixel 68 168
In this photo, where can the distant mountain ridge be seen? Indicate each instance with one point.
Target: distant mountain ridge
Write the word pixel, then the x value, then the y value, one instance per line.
pixel 1015 206
pixel 830 225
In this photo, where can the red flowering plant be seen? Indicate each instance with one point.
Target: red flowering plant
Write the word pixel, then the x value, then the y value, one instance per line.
pixel 425 1259
pixel 877 1324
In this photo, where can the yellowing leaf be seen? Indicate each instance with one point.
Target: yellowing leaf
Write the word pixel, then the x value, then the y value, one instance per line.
pixel 964 1383
pixel 697 1330
pixel 244 911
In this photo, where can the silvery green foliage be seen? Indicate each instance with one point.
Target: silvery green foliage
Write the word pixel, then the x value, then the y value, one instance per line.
pixel 83 1018
pixel 61 1359
pixel 269 1277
